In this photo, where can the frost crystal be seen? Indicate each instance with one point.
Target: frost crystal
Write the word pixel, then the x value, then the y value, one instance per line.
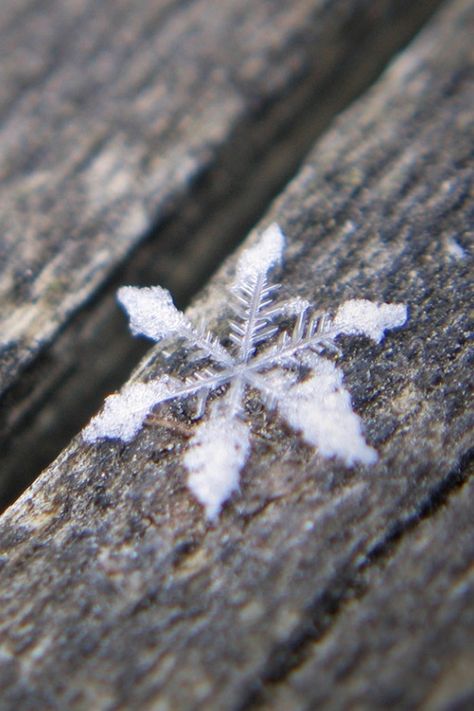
pixel 292 375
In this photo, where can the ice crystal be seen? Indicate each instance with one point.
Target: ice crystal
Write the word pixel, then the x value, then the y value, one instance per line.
pixel 293 374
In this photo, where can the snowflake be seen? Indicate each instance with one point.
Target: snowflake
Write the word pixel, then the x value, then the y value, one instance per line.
pixel 292 374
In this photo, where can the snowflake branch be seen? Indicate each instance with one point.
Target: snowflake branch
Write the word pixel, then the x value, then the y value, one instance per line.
pixel 254 324
pixel 153 314
pixel 208 344
pixel 320 333
pixel 253 294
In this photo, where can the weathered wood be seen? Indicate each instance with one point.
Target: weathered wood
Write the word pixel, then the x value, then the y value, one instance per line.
pixel 402 639
pixel 114 591
pixel 124 121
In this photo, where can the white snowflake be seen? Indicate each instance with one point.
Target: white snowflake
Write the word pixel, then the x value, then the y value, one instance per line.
pixel 292 375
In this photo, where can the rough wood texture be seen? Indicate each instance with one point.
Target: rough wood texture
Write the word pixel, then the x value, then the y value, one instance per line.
pixel 119 119
pixel 114 591
pixel 402 640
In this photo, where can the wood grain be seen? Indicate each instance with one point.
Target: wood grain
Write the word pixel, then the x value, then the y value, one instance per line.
pixel 164 123
pixel 115 593
pixel 401 640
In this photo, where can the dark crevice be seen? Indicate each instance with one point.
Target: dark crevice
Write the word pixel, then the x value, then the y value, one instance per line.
pixel 61 389
pixel 323 613
pixel 438 497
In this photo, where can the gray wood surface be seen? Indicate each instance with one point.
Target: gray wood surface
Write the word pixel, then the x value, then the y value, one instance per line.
pixel 164 123
pixel 402 634
pixel 116 594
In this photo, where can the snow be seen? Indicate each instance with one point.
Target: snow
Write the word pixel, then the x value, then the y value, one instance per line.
pixel 264 255
pixel 123 413
pixel 321 409
pixel 216 454
pixel 359 316
pixel 152 312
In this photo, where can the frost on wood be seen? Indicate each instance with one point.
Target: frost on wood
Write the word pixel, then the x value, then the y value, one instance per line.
pixel 293 374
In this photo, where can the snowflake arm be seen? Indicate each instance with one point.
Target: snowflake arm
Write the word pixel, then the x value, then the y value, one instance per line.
pixel 320 408
pixel 263 256
pixel 254 296
pixel 123 413
pixel 216 454
pixel 319 331
pixel 153 314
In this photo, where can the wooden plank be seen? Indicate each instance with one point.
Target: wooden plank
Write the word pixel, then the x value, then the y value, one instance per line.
pixel 116 593
pixel 150 122
pixel 402 641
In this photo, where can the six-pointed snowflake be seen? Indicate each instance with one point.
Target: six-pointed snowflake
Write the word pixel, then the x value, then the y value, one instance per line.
pixel 292 374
